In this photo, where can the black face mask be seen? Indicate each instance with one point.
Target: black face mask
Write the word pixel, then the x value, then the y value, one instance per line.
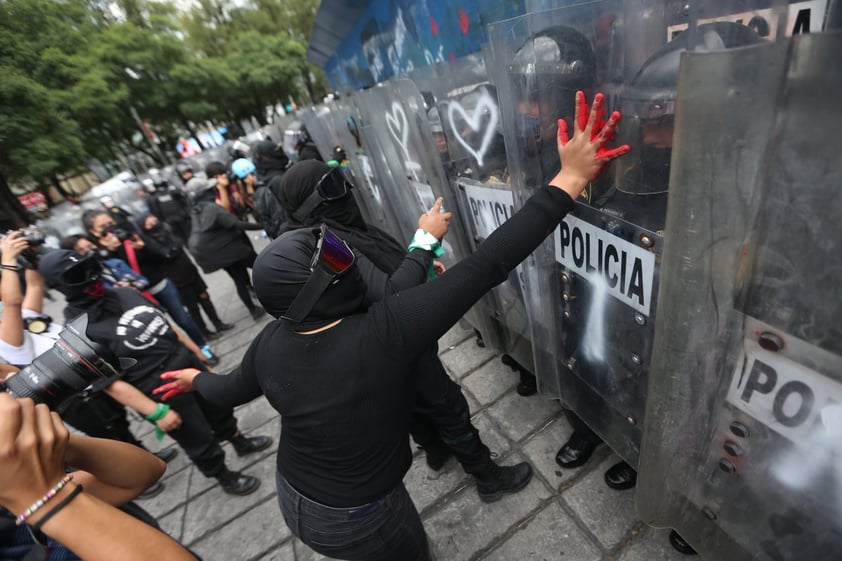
pixel 283 268
pixel 156 228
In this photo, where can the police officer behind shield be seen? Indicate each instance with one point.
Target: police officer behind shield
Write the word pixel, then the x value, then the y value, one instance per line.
pixel 639 194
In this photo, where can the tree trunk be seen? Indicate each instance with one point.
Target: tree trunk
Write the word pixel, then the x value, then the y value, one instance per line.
pixel 14 214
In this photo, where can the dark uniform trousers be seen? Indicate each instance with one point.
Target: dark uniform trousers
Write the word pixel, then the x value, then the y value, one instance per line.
pixel 441 410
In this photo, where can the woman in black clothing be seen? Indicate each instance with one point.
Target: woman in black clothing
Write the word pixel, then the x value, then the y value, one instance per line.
pixel 441 421
pixel 169 256
pixel 343 389
pixel 218 240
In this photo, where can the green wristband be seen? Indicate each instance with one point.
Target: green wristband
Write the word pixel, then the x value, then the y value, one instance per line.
pixel 160 412
pixel 427 241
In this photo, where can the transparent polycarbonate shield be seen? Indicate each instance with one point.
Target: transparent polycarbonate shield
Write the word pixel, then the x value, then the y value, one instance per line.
pixel 341 119
pixel 314 118
pixel 742 452
pixel 398 113
pixel 466 121
pixel 591 289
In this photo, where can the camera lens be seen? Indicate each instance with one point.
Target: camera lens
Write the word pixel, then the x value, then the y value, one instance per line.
pixel 71 365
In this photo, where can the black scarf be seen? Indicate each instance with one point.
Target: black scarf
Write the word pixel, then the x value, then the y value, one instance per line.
pixel 342 216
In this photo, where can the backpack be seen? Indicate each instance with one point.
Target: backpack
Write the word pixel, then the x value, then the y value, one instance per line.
pixel 269 211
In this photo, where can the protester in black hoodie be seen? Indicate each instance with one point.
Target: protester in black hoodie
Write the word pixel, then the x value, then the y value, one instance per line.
pixel 441 420
pixel 270 160
pixel 166 252
pixel 218 240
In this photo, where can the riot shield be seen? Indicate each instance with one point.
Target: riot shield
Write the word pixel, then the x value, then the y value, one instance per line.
pixel 592 292
pixel 742 451
pixel 465 120
pixel 314 118
pixel 396 121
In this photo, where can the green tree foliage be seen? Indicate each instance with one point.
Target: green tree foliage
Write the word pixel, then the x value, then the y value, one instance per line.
pixel 73 71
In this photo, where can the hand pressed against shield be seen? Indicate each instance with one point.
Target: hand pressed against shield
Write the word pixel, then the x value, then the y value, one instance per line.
pixel 584 156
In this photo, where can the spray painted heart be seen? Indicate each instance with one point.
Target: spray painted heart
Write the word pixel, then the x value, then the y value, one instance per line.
pixel 398 127
pixel 485 106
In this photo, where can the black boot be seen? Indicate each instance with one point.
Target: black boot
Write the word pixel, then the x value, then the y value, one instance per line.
pixel 244 445
pixel 235 483
pixel 208 334
pixel 496 480
pixel 577 450
pixel 210 311
pixel 437 453
pixel 680 545
pixel 621 476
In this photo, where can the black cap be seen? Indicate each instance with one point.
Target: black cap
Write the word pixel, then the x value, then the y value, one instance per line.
pixel 215 168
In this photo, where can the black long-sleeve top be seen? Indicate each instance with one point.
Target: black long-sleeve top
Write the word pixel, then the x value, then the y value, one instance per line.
pixel 344 393
pixel 217 239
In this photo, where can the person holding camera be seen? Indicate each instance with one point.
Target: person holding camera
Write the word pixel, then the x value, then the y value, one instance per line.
pixel 25 332
pixel 94 413
pixel 46 511
pixel 130 247
pixel 130 326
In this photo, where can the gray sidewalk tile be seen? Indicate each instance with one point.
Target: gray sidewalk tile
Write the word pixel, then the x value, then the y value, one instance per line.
pixel 465 357
pixel 653 545
pixel 256 414
pixel 283 552
pixel 304 553
pixel 551 535
pixel 172 523
pixel 490 381
pixel 176 493
pixel 214 508
pixel 517 416
pixel 466 525
pixel 426 486
pixel 609 514
pixel 541 449
pixel 249 535
pixel 455 335
pixel 491 437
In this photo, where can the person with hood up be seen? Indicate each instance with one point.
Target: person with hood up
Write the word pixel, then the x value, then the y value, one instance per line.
pixel 130 326
pixel 343 374
pixel 167 254
pixel 218 240
pixel 270 160
pixel 441 422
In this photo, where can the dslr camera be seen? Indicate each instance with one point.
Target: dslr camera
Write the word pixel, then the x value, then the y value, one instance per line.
pixel 73 365
pixel 120 233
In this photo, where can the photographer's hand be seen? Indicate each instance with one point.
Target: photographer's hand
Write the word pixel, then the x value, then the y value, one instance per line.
pixel 32 445
pixel 182 382
pixel 137 242
pixel 12 245
pixel 11 318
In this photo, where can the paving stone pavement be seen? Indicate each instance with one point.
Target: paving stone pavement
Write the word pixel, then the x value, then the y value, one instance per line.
pixel 562 515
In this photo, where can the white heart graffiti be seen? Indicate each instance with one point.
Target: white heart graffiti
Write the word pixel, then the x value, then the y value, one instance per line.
pixel 399 129
pixel 485 106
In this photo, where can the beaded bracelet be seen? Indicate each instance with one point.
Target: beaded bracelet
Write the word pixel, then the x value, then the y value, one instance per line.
pixel 11 267
pixel 43 500
pixel 52 512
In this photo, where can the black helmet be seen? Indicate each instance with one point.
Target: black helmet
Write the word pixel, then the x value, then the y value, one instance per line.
pixel 181 167
pixel 547 71
pixel 648 105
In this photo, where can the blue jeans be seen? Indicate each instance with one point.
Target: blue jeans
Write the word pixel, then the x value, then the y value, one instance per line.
pixel 388 529
pixel 171 301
